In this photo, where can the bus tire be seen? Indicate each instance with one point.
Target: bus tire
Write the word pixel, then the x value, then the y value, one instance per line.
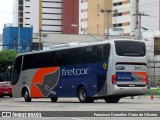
pixel 54 99
pixel 112 99
pixel 26 95
pixel 82 95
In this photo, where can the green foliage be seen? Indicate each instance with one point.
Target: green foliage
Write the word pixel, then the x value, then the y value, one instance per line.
pixel 155 91
pixel 6 59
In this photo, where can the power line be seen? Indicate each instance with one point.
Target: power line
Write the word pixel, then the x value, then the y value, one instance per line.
pixel 141 6
pixel 140 14
pixel 153 16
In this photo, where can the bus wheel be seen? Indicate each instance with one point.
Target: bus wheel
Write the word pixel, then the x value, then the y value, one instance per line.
pixel 54 99
pixel 26 96
pixel 112 99
pixel 82 95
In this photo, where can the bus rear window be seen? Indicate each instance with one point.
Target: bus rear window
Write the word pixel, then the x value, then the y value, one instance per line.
pixel 130 48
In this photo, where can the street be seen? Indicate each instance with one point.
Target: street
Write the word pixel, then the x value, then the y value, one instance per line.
pixel 72 104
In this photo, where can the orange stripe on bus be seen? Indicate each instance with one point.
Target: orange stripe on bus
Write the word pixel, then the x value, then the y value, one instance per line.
pixel 38 78
pixel 143 74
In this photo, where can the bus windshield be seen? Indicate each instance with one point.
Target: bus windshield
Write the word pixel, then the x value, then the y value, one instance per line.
pixel 130 48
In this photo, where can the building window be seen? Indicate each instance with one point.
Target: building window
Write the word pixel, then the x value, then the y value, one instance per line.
pixel 21 25
pixel 122 13
pixel 117 14
pixel 84 19
pixel 84 29
pixel 117 25
pixel 84 10
pixel 118 3
pixel 20 2
pixel 27 6
pixel 27 24
pixel 27 0
pixel 82 1
pixel 121 24
pixel 121 3
pixel 27 12
pixel 20 13
pixel 20 19
pixel 20 8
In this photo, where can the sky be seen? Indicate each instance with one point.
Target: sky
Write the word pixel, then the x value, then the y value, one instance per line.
pixel 6 10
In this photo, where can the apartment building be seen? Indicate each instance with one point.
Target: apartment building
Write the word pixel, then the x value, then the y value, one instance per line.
pixel 125 19
pixel 83 16
pixel 70 15
pixel 52 16
pixel 57 16
pixel 97 20
pixel 43 15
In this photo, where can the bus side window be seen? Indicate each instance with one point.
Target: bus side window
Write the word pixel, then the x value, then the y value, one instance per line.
pixel 99 53
pixel 106 51
pixel 51 59
pixel 16 70
pixel 88 54
pixel 28 62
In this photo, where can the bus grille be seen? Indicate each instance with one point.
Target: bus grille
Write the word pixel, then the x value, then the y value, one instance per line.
pixel 101 85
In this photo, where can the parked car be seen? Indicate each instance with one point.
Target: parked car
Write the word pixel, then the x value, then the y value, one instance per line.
pixel 5 89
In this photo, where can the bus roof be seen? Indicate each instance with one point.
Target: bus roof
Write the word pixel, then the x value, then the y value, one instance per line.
pixel 76 45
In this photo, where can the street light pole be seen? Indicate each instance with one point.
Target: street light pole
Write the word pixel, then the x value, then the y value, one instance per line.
pixel 39 39
pixel 107 26
pixel 19 37
pixel 74 25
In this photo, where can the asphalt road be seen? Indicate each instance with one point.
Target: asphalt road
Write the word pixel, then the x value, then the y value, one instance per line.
pixel 72 104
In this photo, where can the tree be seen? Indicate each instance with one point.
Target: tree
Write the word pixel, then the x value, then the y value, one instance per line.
pixel 6 59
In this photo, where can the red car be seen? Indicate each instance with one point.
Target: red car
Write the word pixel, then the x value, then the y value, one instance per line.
pixel 5 89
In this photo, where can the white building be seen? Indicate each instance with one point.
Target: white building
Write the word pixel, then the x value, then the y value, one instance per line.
pixel 42 15
pixel 83 16
pixel 124 18
pixel 151 8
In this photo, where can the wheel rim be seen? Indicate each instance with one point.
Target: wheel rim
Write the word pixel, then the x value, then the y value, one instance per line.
pixel 82 95
pixel 26 94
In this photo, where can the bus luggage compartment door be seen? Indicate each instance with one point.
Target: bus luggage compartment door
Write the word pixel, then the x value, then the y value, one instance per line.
pixel 101 85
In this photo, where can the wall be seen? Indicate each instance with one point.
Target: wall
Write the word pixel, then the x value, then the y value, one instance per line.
pixel 83 16
pixel 70 15
pixel 11 37
pixel 125 19
pixel 51 16
pixel 96 19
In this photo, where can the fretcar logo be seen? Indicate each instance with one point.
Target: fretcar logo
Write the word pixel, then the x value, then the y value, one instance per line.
pixel 73 71
pixel 120 68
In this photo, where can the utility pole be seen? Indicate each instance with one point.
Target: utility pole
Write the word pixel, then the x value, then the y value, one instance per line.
pixel 108 11
pixel 29 44
pixel 139 14
pixel 40 39
pixel 41 35
pixel 15 44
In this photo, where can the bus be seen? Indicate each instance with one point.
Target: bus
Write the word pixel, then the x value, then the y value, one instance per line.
pixel 108 70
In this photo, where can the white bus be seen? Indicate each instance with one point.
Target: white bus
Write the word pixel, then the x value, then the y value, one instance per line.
pixel 108 70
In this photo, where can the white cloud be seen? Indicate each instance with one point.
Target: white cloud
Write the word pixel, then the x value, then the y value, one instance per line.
pixel 6 10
